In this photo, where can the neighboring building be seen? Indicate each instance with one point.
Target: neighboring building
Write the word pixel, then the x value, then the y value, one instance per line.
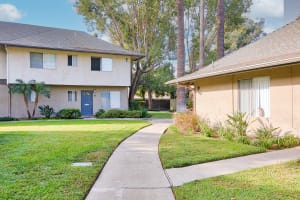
pixel 83 71
pixel 261 79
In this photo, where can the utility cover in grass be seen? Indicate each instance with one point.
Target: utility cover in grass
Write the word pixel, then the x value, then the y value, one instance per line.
pixel 82 164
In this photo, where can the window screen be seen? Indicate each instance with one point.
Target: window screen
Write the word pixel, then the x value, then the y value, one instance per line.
pixel 106 65
pixel 95 64
pixel 36 60
pixel 49 61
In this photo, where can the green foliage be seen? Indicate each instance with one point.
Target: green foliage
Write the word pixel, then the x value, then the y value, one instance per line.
pixel 3 119
pixel 224 132
pixel 69 113
pixel 124 114
pixel 265 131
pixel 155 80
pixel 25 89
pixel 287 141
pixel 205 127
pixel 99 113
pixel 46 110
pixel 136 105
pixel 243 139
pixel 239 123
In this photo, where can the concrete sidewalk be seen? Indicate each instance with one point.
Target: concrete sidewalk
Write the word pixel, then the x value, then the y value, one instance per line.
pixel 179 176
pixel 134 171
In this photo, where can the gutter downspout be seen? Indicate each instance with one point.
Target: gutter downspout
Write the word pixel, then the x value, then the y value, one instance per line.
pixel 7 77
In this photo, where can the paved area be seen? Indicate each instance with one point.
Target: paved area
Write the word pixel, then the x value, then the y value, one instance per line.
pixel 179 176
pixel 134 171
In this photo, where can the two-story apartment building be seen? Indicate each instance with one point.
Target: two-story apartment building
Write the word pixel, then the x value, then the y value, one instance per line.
pixel 83 71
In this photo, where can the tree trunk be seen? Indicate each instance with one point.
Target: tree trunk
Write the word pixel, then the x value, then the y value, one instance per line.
pixel 135 82
pixel 27 106
pixel 220 27
pixel 36 101
pixel 180 101
pixel 201 34
pixel 149 99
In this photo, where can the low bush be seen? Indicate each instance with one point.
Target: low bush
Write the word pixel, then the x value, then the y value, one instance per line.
pixel 267 143
pixel 287 141
pixel 205 127
pixel 186 122
pixel 46 110
pixel 99 113
pixel 238 122
pixel 69 113
pixel 243 139
pixel 225 132
pixel 6 119
pixel 114 113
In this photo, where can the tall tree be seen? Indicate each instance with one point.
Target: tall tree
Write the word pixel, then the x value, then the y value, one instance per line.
pixel 26 90
pixel 180 100
pixel 141 26
pixel 201 34
pixel 220 29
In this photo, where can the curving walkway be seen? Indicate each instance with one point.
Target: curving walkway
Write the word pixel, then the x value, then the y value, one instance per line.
pixel 179 176
pixel 134 171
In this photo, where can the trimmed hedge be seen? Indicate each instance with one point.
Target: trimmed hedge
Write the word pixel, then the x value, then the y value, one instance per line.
pixel 69 113
pixel 6 119
pixel 122 114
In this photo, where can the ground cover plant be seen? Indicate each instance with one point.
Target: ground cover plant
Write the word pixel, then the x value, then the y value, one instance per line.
pixel 36 156
pixel 275 182
pixel 178 150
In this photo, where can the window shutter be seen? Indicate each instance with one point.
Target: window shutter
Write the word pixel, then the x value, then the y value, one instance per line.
pixel 106 64
pixel 115 99
pixel 49 61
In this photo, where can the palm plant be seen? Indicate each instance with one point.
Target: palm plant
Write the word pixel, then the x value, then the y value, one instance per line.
pixel 25 89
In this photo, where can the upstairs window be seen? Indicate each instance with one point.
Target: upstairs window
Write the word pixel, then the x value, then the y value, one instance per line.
pixel 72 96
pixel 95 64
pixel 101 64
pixel 72 60
pixel 40 60
pixel 254 96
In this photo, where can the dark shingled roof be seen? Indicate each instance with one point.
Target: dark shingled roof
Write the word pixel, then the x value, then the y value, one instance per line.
pixel 277 48
pixel 15 34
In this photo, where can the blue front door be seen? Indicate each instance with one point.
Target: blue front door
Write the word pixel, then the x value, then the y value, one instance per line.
pixel 87 102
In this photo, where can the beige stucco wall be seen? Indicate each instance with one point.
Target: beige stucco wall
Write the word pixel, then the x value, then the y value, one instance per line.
pixel 216 97
pixel 4 101
pixel 19 68
pixel 2 63
pixel 59 99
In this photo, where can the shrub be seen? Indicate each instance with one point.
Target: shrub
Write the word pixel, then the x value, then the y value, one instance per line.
pixel 69 113
pixel 243 139
pixel 287 141
pixel 186 122
pixel 124 114
pixel 205 127
pixel 46 110
pixel 5 119
pixel 99 113
pixel 239 123
pixel 224 132
pixel 267 143
pixel 266 130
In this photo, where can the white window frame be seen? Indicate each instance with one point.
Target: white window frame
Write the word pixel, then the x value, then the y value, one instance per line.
pixel 74 61
pixel 114 100
pixel 48 62
pixel 258 97
pixel 72 96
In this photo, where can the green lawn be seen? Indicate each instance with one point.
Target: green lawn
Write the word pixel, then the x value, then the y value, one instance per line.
pixel 36 157
pixel 177 150
pixel 275 182
pixel 161 114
